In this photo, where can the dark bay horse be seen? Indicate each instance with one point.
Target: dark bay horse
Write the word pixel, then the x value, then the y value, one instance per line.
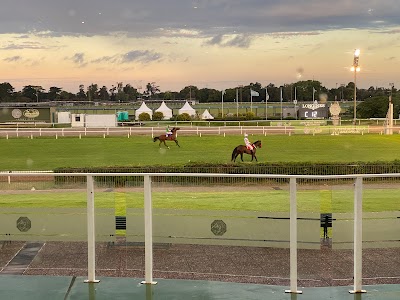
pixel 162 138
pixel 242 149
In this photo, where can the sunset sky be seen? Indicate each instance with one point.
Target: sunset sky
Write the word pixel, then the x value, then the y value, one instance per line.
pixel 207 43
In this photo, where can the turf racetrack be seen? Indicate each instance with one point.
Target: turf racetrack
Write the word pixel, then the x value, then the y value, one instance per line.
pixel 50 153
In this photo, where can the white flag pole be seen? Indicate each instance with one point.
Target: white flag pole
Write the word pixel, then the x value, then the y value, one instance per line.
pixel 281 104
pixel 237 102
pixel 222 104
pixel 266 101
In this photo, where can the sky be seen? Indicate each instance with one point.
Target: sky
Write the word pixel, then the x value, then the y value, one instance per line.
pixel 206 43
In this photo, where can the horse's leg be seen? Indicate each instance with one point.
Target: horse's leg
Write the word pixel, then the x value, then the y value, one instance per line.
pixel 166 144
pixel 176 142
pixel 241 156
pixel 234 156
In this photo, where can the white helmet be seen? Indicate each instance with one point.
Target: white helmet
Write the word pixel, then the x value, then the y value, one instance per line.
pixel 245 135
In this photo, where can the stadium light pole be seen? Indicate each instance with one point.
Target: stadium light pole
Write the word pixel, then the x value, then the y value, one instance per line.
pixel 355 68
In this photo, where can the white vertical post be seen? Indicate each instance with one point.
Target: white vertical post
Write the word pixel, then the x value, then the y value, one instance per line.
pixel 152 132
pixel 91 231
pixel 358 237
pixel 148 232
pixel 293 238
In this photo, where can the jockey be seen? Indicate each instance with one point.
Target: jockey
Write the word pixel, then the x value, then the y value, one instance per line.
pixel 169 132
pixel 249 145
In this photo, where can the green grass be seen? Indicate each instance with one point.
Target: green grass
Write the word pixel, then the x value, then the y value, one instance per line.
pixel 374 200
pixel 50 153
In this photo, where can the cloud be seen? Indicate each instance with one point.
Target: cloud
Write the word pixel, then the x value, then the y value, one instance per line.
pixel 180 17
pixel 25 45
pixel 13 58
pixel 145 56
pixel 141 56
pixel 78 59
pixel 238 41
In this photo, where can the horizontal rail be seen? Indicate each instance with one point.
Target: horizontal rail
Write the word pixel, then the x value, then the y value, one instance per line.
pixel 14 174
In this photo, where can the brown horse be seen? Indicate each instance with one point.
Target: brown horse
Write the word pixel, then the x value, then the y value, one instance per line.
pixel 242 149
pixel 162 138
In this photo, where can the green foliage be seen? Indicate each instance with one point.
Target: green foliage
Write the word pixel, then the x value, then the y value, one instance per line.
pixel 158 116
pixel 376 107
pixel 144 117
pixel 249 115
pixel 184 117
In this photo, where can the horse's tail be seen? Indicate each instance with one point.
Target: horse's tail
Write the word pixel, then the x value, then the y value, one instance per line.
pixel 156 138
pixel 233 154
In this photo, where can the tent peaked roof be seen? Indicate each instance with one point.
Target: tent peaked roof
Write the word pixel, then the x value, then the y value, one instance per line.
pixel 163 107
pixel 167 112
pixel 206 115
pixel 187 109
pixel 144 107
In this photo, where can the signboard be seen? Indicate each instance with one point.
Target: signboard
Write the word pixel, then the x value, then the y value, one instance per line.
pixel 26 114
pixel 313 111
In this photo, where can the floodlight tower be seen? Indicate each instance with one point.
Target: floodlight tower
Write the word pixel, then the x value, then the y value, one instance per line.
pixel 355 68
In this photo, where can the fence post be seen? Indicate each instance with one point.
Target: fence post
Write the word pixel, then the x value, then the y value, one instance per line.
pixel 148 232
pixel 293 238
pixel 91 231
pixel 358 237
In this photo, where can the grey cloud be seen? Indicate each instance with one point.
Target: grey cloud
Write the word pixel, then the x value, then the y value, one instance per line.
pixel 25 45
pixel 13 58
pixel 238 40
pixel 141 56
pixel 78 59
pixel 144 18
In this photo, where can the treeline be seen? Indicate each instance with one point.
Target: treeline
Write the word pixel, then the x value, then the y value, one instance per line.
pixel 301 91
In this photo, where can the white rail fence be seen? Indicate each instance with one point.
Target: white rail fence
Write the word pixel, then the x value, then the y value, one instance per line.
pixel 356 218
pixel 189 130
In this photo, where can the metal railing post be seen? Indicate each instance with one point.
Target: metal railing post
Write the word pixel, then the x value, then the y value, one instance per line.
pixel 148 232
pixel 293 238
pixel 358 237
pixel 91 231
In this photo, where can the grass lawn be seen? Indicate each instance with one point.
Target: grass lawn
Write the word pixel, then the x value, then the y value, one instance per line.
pixel 49 153
pixel 374 200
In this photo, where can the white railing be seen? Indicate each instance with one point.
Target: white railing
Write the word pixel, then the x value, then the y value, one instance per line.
pixel 148 223
pixel 190 130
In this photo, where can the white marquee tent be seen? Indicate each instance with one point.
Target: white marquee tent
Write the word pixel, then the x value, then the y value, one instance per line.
pixel 143 108
pixel 167 112
pixel 206 115
pixel 187 109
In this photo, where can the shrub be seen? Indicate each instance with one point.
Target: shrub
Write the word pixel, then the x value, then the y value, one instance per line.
pixel 184 117
pixel 144 117
pixel 158 116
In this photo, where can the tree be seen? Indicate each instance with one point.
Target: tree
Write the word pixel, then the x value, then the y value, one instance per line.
pixel 6 91
pixel 32 92
pixel 189 92
pixel 130 92
pixel 54 93
pixel 92 92
pixel 103 93
pixel 81 94
pixel 151 89
pixel 375 107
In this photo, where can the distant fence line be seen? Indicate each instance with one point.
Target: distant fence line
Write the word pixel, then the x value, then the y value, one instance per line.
pixel 192 130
